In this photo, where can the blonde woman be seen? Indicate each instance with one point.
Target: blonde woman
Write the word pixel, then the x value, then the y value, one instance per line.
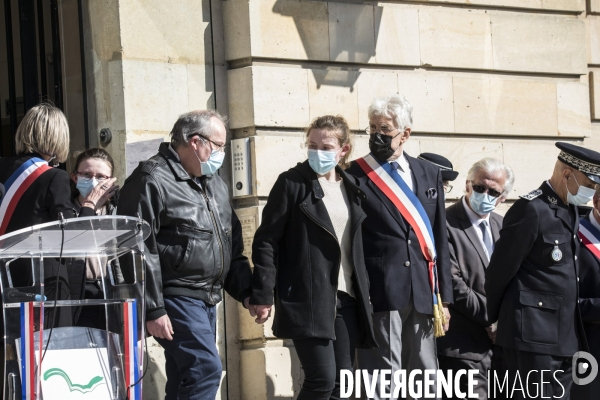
pixel 37 193
pixel 308 260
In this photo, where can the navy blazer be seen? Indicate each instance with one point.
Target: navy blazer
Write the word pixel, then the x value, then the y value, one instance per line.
pixel 395 263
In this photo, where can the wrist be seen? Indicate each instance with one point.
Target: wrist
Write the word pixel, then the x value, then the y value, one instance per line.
pixel 89 203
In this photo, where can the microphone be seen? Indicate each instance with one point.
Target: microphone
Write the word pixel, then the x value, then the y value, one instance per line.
pixel 1 191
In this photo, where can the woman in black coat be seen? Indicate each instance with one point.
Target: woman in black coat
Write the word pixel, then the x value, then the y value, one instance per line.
pixel 43 137
pixel 308 260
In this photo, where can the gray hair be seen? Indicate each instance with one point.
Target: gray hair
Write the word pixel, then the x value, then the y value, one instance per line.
pixel 194 122
pixel 395 107
pixel 491 166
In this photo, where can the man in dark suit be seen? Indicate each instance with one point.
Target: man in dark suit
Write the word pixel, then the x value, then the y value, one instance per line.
pixel 398 271
pixel 531 282
pixel 473 228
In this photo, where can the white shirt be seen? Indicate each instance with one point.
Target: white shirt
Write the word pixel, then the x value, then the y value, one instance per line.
pixel 475 221
pixel 405 171
pixel 593 220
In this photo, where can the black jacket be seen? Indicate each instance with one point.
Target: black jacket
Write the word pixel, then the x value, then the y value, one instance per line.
pixel 195 245
pixel 393 257
pixel 467 337
pixel 296 258
pixel 532 295
pixel 47 197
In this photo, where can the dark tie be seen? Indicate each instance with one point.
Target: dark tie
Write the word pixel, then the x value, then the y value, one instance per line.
pixel 395 165
pixel 487 240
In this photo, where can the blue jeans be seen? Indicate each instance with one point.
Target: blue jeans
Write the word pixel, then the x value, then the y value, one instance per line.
pixel 193 365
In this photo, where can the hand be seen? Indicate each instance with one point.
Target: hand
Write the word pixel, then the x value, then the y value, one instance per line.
pixel 261 312
pixel 160 328
pixel 102 192
pixel 491 331
pixel 447 315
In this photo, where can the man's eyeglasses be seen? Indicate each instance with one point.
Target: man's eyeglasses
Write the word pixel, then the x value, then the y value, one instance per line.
pixel 220 147
pixel 483 189
pixel 448 188
pixel 384 129
pixel 87 175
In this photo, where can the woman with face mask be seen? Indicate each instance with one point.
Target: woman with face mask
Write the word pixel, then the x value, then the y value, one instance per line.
pixel 92 173
pixel 308 261
pixel 92 183
pixel 37 193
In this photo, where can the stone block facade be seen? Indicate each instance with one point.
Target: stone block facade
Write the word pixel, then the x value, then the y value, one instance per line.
pixel 499 78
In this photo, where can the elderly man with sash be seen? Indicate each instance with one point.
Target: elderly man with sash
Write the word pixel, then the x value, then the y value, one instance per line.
pixel 589 292
pixel 406 248
pixel 532 279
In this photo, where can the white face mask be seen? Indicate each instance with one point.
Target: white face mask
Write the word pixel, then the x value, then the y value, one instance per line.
pixel 583 196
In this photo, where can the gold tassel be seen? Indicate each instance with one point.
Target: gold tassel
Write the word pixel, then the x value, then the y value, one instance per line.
pixel 441 307
pixel 439 318
pixel 438 326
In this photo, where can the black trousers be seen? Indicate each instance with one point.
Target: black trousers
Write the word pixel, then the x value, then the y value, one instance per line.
pixel 554 383
pixel 456 364
pixel 322 359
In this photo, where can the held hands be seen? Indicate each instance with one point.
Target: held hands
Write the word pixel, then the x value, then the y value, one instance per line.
pixel 160 328
pixel 101 193
pixel 491 331
pixel 261 312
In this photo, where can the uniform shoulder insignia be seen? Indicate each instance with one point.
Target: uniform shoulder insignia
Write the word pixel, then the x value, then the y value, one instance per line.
pixel 532 195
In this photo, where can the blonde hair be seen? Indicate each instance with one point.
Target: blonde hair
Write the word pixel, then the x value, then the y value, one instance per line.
pixel 338 126
pixel 44 130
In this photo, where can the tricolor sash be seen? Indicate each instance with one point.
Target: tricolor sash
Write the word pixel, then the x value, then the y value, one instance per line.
pixel 29 388
pixel 590 236
pixel 132 372
pixel 16 185
pixel 394 188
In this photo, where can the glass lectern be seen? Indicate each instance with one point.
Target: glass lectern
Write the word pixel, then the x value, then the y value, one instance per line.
pixel 43 360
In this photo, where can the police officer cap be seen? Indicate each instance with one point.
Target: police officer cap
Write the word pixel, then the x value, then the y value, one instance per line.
pixel 580 158
pixel 448 174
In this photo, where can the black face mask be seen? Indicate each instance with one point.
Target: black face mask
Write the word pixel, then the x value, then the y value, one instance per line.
pixel 381 146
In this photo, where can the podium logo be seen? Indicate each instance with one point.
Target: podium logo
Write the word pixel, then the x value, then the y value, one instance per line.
pixel 74 387
pixel 584 364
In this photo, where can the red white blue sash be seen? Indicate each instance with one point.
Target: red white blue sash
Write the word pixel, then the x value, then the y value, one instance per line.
pixel 590 236
pixel 394 188
pixel 28 362
pixel 132 372
pixel 16 185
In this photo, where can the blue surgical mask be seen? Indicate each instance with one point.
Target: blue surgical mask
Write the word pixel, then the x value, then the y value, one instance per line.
pixel 482 203
pixel 584 195
pixel 322 161
pixel 214 162
pixel 85 185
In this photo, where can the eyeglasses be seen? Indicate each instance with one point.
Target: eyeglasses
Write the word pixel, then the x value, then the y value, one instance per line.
pixel 384 129
pixel 483 189
pixel 220 147
pixel 87 175
pixel 448 188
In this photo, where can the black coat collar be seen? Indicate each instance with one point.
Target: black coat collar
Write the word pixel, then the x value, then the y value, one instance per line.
pixel 175 164
pixel 310 175
pixel 315 209
pixel 566 212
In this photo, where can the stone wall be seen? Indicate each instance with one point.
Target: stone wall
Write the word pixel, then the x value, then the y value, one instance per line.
pixel 499 78
pixel 502 78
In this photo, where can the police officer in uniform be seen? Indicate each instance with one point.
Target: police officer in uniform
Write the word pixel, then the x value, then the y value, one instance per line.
pixel 531 281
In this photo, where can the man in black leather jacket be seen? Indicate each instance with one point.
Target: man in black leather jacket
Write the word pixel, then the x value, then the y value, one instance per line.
pixel 194 250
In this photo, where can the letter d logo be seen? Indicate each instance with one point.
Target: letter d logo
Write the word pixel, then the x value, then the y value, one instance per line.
pixel 582 368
